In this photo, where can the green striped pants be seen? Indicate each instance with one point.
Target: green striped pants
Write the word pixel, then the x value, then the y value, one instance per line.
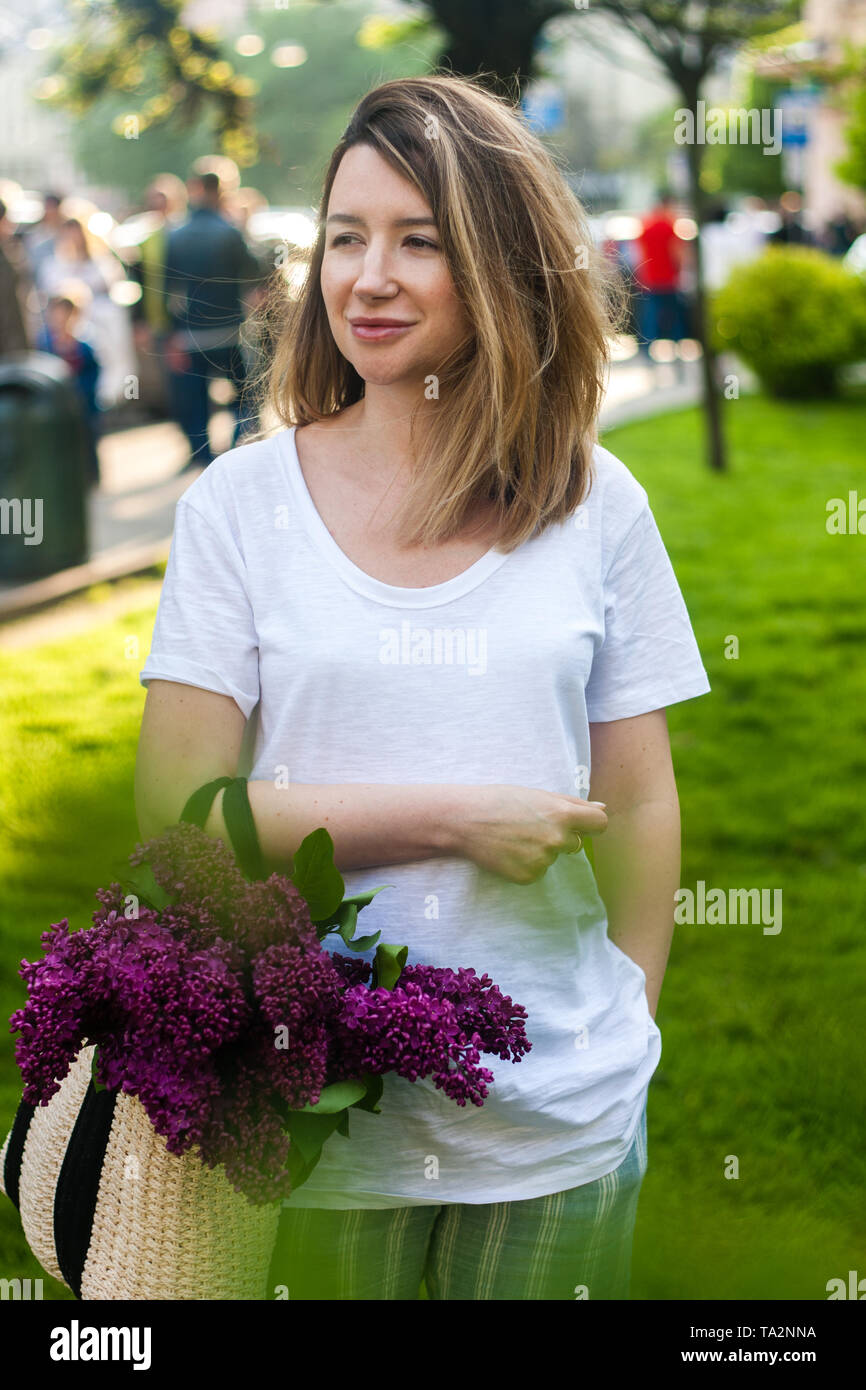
pixel 569 1245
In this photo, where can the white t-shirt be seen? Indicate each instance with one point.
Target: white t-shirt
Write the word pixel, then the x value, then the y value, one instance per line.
pixel 490 677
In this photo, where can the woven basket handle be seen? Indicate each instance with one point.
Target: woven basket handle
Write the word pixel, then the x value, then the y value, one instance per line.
pixel 238 818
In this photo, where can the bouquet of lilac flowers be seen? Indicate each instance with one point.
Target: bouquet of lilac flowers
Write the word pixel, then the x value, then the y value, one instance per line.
pixel 210 997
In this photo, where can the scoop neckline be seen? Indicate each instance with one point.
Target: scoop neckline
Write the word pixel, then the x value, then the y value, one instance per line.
pixel 394 595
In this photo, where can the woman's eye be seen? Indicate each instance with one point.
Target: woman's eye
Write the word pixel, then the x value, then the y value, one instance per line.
pixel 345 237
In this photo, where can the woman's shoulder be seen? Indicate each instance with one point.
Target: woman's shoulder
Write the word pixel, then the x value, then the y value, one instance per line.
pixel 617 485
pixel 243 481
pixel 616 499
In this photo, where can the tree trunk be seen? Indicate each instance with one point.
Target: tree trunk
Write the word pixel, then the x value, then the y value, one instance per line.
pixel 500 39
pixel 716 453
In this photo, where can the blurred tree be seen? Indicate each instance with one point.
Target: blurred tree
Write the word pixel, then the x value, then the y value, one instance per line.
pixel 118 44
pixel 300 111
pixel 651 147
pixel 689 41
pixel 496 38
pixel 743 168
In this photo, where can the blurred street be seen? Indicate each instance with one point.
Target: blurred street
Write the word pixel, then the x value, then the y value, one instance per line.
pixel 131 513
pixel 209 203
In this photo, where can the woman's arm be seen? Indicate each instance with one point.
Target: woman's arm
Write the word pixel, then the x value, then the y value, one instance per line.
pixel 637 862
pixel 191 736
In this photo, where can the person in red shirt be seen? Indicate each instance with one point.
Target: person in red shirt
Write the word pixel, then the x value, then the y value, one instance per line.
pixel 659 262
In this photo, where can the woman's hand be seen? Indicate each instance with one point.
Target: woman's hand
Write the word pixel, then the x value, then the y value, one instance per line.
pixel 517 832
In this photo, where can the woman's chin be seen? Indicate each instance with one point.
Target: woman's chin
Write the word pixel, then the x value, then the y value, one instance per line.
pixel 379 374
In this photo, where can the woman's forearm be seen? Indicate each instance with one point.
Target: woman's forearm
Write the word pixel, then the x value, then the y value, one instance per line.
pixel 637 869
pixel 369 823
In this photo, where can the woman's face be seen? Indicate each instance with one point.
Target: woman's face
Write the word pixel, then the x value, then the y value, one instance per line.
pixel 70 242
pixel 383 260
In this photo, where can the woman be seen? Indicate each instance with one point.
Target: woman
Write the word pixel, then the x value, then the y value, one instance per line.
pixel 441 626
pixel 80 258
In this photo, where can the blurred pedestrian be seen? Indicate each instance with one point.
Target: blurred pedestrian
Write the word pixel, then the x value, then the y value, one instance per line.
pixel 40 241
pixel 153 252
pixel 793 230
pixel 660 310
pixel 210 272
pixel 80 258
pixel 241 209
pixel 13 335
pixel 727 240
pixel 165 208
pixel 165 205
pixel 62 336
pixel 839 234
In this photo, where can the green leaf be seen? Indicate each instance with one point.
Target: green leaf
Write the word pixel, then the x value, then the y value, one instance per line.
pixel 348 909
pixel 145 887
pixel 335 1098
pixel 375 1087
pixel 308 1134
pixel 315 875
pixel 300 1168
pixel 349 922
pixel 364 899
pixel 343 1123
pixel 388 965
pixel 97 1085
pixel 363 943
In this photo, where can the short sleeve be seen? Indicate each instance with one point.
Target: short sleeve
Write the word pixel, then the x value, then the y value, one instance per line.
pixel 205 633
pixel 648 658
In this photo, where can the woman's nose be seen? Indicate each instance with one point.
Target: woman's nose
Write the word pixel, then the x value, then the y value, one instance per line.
pixel 375 275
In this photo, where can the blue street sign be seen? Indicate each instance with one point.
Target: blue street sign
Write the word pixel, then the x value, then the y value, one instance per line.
pixel 796 106
pixel 544 108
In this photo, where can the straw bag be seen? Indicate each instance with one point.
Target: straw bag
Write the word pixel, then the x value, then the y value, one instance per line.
pixel 105 1208
pixel 108 1211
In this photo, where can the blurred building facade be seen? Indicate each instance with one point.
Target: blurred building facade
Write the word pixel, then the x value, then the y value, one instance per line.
pixel 34 139
pixel 830 26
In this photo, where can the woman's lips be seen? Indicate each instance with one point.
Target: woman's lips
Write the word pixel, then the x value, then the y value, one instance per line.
pixel 374 333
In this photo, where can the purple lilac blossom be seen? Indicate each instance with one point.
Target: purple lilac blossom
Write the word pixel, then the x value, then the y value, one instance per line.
pixel 222 1012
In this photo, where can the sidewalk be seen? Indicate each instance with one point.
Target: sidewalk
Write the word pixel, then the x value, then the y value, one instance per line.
pixel 132 512
pixel 638 389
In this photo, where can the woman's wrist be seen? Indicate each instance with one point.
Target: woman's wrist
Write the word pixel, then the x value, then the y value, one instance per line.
pixel 370 823
pixel 447 823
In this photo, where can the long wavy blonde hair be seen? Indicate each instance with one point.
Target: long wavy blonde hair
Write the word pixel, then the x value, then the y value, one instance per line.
pixel 519 399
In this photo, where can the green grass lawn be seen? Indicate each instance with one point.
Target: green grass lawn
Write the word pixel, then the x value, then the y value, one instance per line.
pixel 761 1033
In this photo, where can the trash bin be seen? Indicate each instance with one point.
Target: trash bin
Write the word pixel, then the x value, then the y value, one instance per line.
pixel 44 467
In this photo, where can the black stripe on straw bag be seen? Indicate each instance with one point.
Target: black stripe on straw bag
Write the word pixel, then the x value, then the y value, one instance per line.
pixel 78 1184
pixel 15 1151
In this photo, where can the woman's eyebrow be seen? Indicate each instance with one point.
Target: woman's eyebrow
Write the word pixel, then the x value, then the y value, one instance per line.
pixel 398 221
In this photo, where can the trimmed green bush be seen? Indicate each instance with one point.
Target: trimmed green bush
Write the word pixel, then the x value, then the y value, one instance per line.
pixel 795 316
